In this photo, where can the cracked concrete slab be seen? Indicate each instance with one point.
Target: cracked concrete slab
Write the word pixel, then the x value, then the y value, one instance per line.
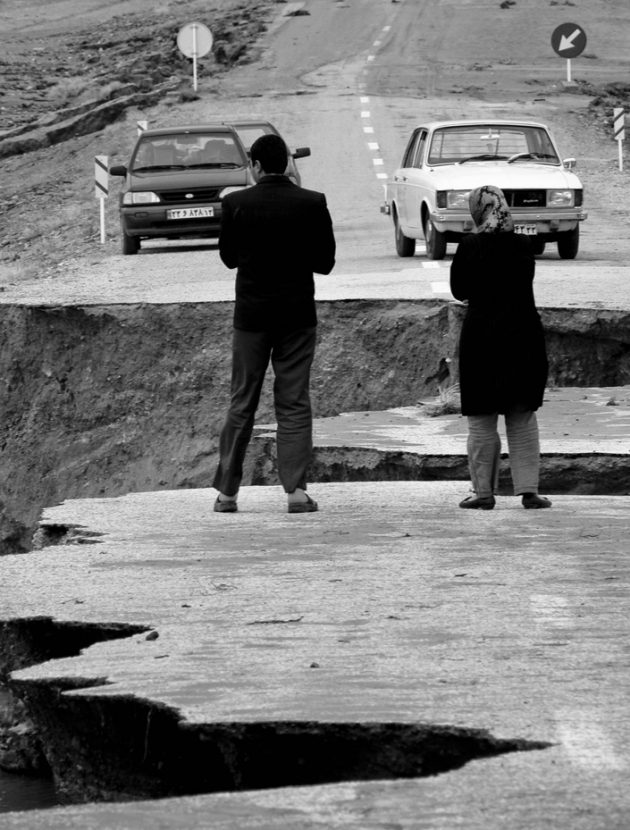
pixel 585 444
pixel 390 604
pixel 573 420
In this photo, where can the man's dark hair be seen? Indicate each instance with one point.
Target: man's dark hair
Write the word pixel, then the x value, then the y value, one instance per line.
pixel 271 151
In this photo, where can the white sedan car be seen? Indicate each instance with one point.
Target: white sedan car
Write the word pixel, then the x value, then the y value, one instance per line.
pixel 443 161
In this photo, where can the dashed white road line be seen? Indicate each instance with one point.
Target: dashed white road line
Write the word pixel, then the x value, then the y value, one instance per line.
pixel 438 287
pixel 551 611
pixel 586 742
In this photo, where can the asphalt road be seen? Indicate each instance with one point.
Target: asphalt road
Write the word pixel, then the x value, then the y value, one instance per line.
pixel 562 606
pixel 340 80
pixel 389 605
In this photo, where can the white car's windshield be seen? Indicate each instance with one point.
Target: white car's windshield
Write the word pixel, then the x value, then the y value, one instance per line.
pixel 488 142
pixel 179 151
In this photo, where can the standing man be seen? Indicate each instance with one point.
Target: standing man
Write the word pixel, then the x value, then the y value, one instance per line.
pixel 276 235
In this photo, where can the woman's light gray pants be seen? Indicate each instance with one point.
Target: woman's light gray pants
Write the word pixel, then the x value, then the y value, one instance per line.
pixel 484 452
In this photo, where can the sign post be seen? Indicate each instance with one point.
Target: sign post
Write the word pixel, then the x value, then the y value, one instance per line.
pixel 194 40
pixel 568 40
pixel 101 187
pixel 620 133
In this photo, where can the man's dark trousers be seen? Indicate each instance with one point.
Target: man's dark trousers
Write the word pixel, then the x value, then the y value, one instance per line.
pixel 291 354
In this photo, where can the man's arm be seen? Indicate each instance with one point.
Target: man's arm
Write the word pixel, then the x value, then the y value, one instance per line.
pixel 324 245
pixel 227 241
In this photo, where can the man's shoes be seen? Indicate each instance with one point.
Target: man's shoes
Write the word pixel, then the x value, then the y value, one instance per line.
pixel 225 506
pixel 478 503
pixel 308 506
pixel 532 501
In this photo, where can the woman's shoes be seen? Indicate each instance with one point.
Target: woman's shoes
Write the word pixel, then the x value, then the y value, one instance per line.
pixel 478 502
pixel 308 506
pixel 532 501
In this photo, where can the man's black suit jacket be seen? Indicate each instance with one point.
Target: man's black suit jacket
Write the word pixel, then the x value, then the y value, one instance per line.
pixel 276 234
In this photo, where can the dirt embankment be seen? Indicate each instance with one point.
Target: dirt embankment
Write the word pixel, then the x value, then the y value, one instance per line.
pixel 104 401
pixel 137 49
pixel 56 88
pixel 108 400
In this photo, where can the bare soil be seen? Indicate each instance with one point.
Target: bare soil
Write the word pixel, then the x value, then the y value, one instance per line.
pixel 59 57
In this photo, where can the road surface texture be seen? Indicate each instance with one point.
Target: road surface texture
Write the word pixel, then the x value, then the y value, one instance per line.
pixel 401 663
pixel 390 606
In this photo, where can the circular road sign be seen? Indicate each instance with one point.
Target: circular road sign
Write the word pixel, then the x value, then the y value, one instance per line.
pixel 194 40
pixel 568 40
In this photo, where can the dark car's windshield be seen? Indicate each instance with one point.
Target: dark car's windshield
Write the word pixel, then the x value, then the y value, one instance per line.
pixel 248 133
pixel 488 142
pixel 179 151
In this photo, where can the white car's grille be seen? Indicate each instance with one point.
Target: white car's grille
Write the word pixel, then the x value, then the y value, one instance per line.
pixel 526 198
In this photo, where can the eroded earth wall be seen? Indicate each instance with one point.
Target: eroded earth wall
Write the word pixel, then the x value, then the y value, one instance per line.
pixel 107 400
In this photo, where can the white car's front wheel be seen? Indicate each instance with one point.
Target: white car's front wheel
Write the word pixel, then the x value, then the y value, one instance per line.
pixel 434 240
pixel 404 245
pixel 569 243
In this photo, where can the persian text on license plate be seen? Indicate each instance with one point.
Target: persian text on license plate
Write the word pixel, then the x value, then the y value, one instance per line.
pixel 190 213
pixel 528 230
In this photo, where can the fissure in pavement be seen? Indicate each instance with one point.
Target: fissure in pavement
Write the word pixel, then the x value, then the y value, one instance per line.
pixel 101 747
pixel 104 401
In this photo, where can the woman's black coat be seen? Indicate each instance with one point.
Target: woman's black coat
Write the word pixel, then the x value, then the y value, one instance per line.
pixel 502 355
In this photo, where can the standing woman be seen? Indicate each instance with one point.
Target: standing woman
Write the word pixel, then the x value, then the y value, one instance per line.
pixel 502 355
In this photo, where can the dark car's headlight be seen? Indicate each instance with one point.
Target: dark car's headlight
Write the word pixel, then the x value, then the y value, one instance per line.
pixel 232 189
pixel 140 197
pixel 560 198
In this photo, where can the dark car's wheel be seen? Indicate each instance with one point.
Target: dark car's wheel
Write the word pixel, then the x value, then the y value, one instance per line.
pixel 404 245
pixel 130 244
pixel 569 243
pixel 435 241
pixel 538 246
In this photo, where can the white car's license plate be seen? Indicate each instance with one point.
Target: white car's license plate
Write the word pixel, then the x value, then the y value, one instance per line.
pixel 190 213
pixel 528 230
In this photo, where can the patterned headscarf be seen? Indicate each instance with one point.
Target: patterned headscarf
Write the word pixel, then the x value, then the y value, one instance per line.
pixel 490 210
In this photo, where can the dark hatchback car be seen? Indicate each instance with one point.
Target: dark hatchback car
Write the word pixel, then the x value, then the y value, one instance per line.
pixel 249 129
pixel 175 181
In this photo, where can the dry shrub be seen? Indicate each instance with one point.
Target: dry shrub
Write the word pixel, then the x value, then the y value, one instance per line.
pixel 446 403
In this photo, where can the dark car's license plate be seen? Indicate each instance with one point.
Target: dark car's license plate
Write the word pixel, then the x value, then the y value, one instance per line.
pixel 190 213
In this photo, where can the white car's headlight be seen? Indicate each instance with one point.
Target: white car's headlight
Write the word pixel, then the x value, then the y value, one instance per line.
pixel 457 199
pixel 560 198
pixel 232 189
pixel 140 197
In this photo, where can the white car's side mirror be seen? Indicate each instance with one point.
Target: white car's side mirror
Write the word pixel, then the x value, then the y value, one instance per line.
pixel 569 163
